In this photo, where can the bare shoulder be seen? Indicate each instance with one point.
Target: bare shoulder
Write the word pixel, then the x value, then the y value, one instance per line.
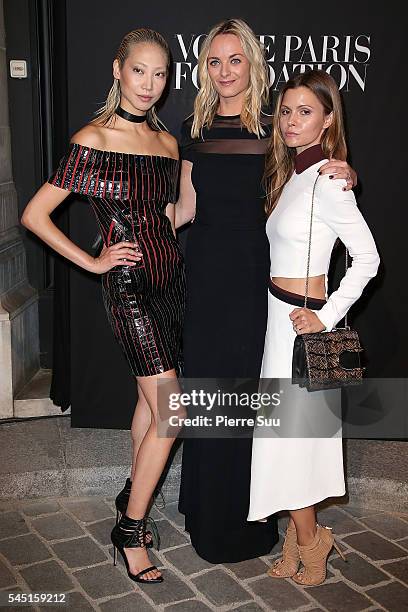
pixel 170 144
pixel 90 136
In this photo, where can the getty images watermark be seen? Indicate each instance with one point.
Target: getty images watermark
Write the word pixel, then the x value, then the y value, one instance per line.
pixel 218 401
pixel 278 408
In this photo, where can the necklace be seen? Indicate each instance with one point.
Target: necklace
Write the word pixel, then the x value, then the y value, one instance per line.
pixel 129 116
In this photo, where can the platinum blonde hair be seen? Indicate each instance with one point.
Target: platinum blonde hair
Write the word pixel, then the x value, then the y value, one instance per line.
pixel 142 35
pixel 207 100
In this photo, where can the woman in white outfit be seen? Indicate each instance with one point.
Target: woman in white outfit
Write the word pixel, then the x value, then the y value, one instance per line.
pixel 296 472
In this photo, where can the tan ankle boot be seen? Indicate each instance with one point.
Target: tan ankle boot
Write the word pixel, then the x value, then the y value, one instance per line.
pixel 314 557
pixel 288 564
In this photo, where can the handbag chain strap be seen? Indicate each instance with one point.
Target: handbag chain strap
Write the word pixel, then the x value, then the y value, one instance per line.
pixel 309 251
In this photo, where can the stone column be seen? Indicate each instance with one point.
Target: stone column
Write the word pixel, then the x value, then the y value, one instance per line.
pixel 19 341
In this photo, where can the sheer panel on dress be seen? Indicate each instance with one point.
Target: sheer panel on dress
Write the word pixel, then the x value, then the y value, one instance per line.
pixel 225 136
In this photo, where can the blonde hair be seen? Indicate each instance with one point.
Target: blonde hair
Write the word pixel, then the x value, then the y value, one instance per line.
pixel 142 35
pixel 280 159
pixel 206 102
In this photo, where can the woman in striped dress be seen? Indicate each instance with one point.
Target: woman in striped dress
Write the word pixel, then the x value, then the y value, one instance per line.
pixel 126 165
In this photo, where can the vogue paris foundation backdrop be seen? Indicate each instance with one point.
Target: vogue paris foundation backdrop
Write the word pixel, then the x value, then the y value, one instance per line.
pixel 359 45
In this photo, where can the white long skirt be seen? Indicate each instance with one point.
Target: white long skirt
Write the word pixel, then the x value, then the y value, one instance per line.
pixel 289 473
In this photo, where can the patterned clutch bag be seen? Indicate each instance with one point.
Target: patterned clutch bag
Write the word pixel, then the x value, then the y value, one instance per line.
pixel 326 360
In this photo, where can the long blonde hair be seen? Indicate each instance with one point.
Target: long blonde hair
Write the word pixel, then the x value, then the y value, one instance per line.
pixel 280 159
pixel 142 35
pixel 206 102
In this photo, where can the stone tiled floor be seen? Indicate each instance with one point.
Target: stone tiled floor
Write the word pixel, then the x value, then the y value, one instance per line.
pixel 62 545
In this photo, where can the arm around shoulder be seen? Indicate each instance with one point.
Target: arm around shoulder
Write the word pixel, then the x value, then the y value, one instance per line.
pixel 338 209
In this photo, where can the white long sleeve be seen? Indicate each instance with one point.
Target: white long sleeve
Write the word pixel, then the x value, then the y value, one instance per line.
pixel 338 209
pixel 335 216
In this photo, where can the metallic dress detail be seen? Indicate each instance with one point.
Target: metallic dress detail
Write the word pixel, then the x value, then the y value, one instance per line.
pixel 129 194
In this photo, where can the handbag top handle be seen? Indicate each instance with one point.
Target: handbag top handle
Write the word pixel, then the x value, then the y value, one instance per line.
pixel 309 251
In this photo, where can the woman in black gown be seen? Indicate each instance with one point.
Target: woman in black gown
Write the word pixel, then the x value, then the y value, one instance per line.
pixel 126 166
pixel 227 264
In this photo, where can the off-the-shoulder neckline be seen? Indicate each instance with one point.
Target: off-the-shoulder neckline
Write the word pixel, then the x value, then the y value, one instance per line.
pixel 122 152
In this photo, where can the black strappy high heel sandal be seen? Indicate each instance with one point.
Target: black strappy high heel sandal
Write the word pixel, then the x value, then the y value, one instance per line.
pixel 131 533
pixel 122 500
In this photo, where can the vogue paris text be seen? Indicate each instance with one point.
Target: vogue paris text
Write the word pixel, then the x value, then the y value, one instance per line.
pixel 345 57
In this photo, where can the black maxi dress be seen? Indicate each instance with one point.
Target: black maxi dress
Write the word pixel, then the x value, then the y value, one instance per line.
pixel 227 267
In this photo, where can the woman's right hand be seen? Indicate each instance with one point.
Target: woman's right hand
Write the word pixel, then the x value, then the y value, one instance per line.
pixel 36 218
pixel 120 254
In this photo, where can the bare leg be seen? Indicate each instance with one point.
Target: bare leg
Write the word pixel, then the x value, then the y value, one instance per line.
pixel 150 460
pixel 141 421
pixel 314 545
pixel 300 532
pixel 305 521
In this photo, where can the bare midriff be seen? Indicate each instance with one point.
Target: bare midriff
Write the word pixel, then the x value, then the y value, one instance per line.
pixel 297 285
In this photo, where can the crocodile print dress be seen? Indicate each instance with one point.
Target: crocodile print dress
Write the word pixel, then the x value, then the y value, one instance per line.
pixel 129 194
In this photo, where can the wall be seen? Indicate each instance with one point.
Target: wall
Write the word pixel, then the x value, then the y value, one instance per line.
pixel 363 55
pixel 18 301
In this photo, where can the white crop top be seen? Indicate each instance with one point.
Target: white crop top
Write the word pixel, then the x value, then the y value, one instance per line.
pixel 335 215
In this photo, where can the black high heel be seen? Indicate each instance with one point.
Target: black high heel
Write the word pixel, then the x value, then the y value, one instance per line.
pixel 122 500
pixel 121 503
pixel 131 533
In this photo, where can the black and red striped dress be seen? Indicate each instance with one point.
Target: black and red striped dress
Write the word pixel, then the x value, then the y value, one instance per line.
pixel 129 194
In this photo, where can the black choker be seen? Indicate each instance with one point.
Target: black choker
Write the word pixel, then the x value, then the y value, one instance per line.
pixel 129 117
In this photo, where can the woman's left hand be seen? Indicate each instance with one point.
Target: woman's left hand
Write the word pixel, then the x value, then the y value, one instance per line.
pixel 305 321
pixel 340 170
